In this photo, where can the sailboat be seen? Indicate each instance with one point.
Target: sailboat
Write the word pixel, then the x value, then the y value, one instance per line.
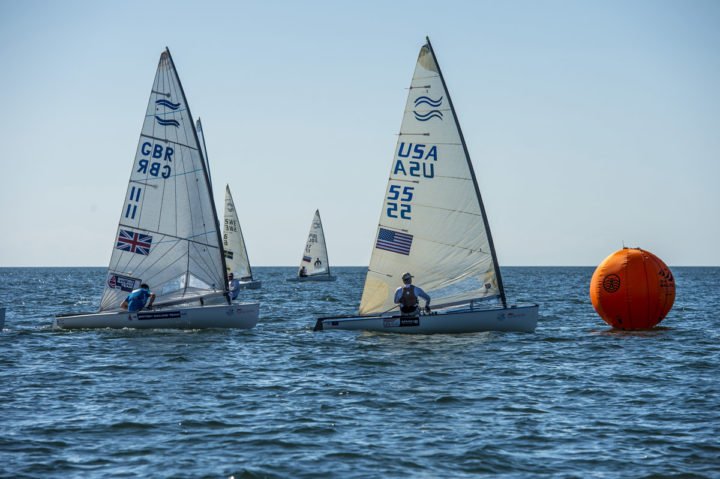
pixel 433 225
pixel 168 235
pixel 315 265
pixel 236 257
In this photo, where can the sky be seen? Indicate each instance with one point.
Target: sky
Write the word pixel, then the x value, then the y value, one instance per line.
pixel 590 125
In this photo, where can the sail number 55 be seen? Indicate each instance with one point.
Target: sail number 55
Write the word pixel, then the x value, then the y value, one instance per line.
pixel 398 201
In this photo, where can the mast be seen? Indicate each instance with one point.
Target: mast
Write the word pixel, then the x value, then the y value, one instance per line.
pixel 201 134
pixel 472 174
pixel 207 181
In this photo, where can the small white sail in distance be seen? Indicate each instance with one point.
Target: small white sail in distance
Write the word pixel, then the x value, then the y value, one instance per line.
pixel 315 257
pixel 168 235
pixel 432 223
pixel 236 256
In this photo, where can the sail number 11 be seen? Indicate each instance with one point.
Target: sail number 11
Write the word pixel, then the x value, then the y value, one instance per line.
pixel 398 201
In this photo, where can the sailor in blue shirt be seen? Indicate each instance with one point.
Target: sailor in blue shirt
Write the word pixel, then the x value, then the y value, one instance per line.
pixel 233 286
pixel 137 299
pixel 407 296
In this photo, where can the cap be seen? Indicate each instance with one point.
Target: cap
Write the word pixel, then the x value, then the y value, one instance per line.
pixel 407 276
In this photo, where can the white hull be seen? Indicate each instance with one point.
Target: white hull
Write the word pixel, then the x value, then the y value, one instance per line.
pixel 237 315
pixel 519 318
pixel 319 277
pixel 250 284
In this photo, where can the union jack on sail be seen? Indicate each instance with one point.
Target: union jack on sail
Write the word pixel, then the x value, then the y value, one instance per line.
pixel 134 242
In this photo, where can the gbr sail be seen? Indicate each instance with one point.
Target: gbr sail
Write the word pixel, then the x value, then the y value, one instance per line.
pixel 168 235
pixel 432 223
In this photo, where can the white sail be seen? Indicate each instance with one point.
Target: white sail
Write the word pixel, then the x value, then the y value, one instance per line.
pixel 168 235
pixel 315 256
pixel 236 257
pixel 432 222
pixel 201 138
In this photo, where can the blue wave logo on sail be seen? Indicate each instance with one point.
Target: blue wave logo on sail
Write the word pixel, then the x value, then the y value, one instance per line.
pixel 162 122
pixel 426 100
pixel 167 103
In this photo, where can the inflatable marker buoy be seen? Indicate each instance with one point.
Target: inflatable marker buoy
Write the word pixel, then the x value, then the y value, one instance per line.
pixel 632 289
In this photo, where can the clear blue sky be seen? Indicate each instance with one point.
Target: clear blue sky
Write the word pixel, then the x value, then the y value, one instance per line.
pixel 589 123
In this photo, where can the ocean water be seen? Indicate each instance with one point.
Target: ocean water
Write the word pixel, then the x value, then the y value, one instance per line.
pixel 573 399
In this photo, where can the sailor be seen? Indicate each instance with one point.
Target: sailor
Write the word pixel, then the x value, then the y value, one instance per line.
pixel 233 286
pixel 407 297
pixel 136 300
pixel 303 272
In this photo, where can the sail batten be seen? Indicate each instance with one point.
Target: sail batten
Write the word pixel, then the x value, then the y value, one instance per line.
pixel 432 223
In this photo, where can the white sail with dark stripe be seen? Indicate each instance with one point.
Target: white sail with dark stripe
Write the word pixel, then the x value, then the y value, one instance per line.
pixel 236 257
pixel 168 235
pixel 432 223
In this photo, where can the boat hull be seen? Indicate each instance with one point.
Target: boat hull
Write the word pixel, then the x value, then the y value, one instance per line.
pixel 250 284
pixel 320 277
pixel 517 318
pixel 236 316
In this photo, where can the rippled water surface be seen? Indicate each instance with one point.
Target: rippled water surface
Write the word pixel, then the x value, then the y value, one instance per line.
pixel 573 399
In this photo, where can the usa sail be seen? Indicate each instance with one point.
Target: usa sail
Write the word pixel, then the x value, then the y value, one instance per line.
pixel 168 235
pixel 315 265
pixel 433 224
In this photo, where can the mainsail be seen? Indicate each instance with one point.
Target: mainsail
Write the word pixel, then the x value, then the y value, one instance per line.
pixel 236 256
pixel 315 256
pixel 168 235
pixel 433 222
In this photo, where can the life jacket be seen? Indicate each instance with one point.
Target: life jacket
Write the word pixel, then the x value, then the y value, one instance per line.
pixel 408 300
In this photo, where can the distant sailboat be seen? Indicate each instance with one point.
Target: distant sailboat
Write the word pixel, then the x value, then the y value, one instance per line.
pixel 314 265
pixel 168 235
pixel 236 256
pixel 433 225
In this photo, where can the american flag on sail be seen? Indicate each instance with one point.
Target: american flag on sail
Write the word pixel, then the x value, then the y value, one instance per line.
pixel 134 242
pixel 394 241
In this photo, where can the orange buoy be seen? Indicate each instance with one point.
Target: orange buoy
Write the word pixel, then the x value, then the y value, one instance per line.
pixel 632 289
